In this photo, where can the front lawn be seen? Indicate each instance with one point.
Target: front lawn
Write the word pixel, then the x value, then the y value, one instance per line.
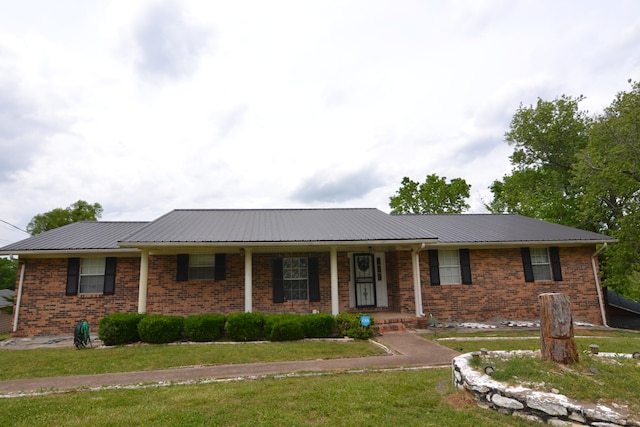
pixel 410 398
pixel 50 362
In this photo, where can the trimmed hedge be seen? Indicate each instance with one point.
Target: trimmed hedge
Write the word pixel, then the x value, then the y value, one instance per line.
pixel 287 330
pixel 119 328
pixel 245 326
pixel 349 325
pixel 159 329
pixel 320 325
pixel 270 321
pixel 204 327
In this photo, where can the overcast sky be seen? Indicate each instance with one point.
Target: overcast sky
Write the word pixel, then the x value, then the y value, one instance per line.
pixel 150 106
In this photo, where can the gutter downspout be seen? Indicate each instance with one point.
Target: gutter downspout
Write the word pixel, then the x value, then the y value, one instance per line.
pixel 18 298
pixel 416 279
pixel 596 276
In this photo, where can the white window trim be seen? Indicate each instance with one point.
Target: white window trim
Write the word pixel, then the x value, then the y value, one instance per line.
pixel 445 268
pixel 287 289
pixel 204 264
pixel 536 263
pixel 84 264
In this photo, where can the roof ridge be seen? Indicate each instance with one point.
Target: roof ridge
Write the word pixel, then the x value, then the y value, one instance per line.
pixel 265 209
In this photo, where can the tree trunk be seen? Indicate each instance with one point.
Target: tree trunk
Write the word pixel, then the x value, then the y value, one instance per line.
pixel 556 329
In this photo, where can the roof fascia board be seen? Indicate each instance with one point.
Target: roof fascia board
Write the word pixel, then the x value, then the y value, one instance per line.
pixel 51 253
pixel 565 243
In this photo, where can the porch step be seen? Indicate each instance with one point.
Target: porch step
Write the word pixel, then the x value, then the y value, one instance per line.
pixel 399 324
pixel 389 327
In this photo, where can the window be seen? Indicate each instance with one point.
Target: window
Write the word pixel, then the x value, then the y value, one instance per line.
pixel 202 267
pixel 92 275
pixel 540 264
pixel 449 266
pixel 295 274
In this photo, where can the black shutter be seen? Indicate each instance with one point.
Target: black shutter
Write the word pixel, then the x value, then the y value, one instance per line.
pixel 73 276
pixel 183 268
pixel 526 263
pixel 278 280
pixel 554 253
pixel 314 280
pixel 465 266
pixel 434 267
pixel 221 267
pixel 110 276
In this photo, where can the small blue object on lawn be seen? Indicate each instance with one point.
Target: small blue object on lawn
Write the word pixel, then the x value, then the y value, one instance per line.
pixel 365 321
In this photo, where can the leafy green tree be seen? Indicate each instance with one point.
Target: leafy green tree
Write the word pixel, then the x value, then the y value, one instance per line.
pixel 546 138
pixel 608 173
pixel 8 271
pixel 583 172
pixel 434 196
pixel 78 211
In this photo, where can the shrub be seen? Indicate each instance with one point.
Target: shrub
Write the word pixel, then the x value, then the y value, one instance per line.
pixel 119 328
pixel 245 326
pixel 204 327
pixel 321 325
pixel 290 329
pixel 349 325
pixel 270 321
pixel 159 329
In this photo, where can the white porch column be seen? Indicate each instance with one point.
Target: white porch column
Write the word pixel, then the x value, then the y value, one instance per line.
pixel 248 280
pixel 144 277
pixel 415 264
pixel 335 303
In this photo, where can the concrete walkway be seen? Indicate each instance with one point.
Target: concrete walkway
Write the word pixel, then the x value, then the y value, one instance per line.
pixel 407 349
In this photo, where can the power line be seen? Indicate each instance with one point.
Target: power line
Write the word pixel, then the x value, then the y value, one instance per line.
pixel 17 228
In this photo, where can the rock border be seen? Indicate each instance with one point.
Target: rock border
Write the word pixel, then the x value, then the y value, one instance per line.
pixel 533 405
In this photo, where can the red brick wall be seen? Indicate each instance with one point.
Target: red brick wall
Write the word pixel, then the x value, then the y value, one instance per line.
pixel 165 295
pixel 46 310
pixel 499 290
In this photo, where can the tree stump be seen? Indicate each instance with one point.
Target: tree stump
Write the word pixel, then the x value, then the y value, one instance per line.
pixel 557 342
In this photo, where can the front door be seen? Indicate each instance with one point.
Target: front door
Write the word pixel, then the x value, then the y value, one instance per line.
pixel 365 280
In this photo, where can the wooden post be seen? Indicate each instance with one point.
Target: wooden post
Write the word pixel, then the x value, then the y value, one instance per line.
pixel 557 342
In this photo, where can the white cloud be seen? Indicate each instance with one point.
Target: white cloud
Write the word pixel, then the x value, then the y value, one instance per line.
pixel 154 105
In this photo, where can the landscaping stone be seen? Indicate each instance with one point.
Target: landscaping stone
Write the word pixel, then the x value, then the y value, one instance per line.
pixel 523 402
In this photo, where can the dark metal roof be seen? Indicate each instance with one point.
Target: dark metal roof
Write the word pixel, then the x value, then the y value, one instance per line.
pixel 615 300
pixel 300 226
pixel 276 226
pixel 82 235
pixel 486 228
pixel 5 293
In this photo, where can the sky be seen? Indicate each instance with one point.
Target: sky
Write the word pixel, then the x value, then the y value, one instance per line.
pixel 150 106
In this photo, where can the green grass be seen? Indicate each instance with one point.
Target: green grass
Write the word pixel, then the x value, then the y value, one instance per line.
pixel 49 362
pixel 592 379
pixel 410 398
pixel 608 340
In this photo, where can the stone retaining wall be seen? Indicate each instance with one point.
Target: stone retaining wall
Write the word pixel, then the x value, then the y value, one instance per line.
pixel 523 402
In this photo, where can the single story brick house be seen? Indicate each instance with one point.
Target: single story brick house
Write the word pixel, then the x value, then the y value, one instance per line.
pixel 456 267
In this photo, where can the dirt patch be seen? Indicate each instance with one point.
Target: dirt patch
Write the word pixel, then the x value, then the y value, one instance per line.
pixel 460 400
